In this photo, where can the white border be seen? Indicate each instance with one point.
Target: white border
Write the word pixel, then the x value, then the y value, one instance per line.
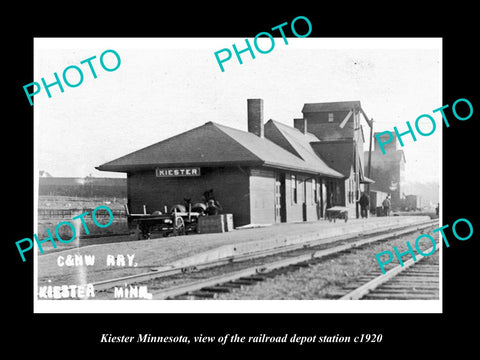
pixel 233 306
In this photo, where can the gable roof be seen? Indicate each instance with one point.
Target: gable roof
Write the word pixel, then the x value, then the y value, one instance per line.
pixel 274 134
pixel 331 106
pixel 196 146
pixel 337 154
pixel 298 142
pixel 206 145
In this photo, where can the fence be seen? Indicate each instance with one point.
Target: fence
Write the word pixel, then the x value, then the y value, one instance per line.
pixel 70 213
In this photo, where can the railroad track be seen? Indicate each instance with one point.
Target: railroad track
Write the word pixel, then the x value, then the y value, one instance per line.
pixel 414 281
pixel 206 281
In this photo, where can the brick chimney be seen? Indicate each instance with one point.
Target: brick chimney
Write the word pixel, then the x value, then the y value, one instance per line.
pixel 255 116
pixel 300 124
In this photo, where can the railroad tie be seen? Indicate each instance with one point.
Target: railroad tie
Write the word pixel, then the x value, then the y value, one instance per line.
pixel 203 294
pixel 232 285
pixel 218 289
pixel 253 278
pixel 299 265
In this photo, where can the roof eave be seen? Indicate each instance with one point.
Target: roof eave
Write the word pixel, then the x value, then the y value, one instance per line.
pixel 142 167
pixel 334 174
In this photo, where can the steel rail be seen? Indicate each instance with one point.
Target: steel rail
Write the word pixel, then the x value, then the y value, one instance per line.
pixel 265 268
pixel 168 271
pixel 366 288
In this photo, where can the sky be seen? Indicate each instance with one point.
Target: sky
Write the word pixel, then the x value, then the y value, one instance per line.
pixel 165 86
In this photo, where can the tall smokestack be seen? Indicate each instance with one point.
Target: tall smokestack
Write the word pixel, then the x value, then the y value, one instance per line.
pixel 255 116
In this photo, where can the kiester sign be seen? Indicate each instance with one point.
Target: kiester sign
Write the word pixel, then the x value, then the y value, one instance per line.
pixel 176 172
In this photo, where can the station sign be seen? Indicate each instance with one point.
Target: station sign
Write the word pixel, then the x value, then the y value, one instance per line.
pixel 177 172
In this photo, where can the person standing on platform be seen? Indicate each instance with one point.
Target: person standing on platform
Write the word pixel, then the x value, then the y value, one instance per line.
pixel 386 206
pixel 213 207
pixel 364 202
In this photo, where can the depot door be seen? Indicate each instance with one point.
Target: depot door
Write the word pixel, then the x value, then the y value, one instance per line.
pixel 280 214
pixel 323 198
pixel 303 189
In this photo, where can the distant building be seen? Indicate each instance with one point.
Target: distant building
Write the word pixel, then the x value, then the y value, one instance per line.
pixel 388 170
pixel 413 202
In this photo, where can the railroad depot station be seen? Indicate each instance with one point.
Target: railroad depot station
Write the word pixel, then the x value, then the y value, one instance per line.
pixel 271 173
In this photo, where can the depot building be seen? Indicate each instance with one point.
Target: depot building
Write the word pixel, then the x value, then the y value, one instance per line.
pixel 269 174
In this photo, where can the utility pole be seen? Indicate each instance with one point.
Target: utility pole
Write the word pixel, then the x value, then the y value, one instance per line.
pixel 370 156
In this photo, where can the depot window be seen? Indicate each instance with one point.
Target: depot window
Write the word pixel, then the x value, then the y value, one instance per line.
pixel 330 117
pixel 350 191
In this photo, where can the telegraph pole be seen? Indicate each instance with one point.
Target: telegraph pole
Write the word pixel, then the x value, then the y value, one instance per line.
pixel 370 156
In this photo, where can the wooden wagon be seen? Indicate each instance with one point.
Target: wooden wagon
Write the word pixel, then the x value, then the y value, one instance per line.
pixel 170 224
pixel 336 212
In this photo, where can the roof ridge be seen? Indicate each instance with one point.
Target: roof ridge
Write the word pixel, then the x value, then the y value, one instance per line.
pixel 300 144
pixel 298 157
pixel 330 106
pixel 334 102
pixel 305 150
pixel 292 149
pixel 295 129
